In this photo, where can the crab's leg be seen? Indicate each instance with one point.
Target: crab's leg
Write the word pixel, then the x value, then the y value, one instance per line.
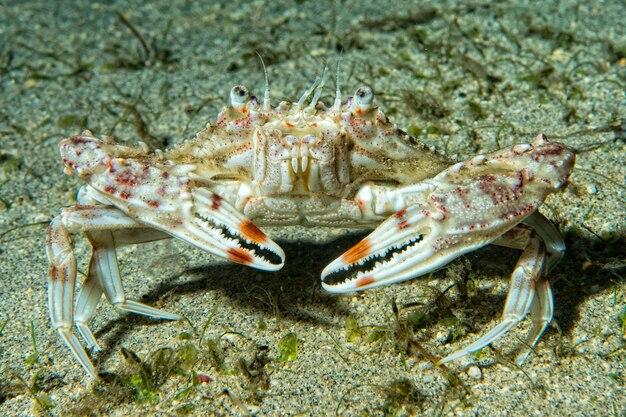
pixel 108 275
pixel 103 273
pixel 541 312
pixel 61 281
pixel 92 288
pixel 86 303
pixel 465 207
pixel 97 223
pixel 528 273
pixel 542 307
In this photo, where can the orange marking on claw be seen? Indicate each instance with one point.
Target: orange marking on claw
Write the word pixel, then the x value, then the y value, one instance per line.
pixel 362 282
pixel 357 252
pixel 240 256
pixel 250 231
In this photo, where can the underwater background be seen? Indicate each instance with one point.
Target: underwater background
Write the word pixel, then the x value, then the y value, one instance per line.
pixel 463 77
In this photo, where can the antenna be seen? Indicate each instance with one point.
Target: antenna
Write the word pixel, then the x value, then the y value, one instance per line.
pixel 318 89
pixel 266 95
pixel 337 104
pixel 308 92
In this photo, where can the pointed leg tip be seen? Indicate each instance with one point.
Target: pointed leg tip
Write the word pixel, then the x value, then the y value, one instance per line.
pixel 521 358
pixel 145 310
pixel 453 356
pixel 444 360
pixel 79 351
pixel 91 371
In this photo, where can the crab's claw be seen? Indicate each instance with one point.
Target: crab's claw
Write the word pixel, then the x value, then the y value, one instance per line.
pixel 218 227
pixel 164 196
pixel 409 244
pixel 462 209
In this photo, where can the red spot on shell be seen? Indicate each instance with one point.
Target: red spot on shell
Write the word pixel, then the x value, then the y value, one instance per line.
pixel 79 140
pixel 402 222
pixel 127 177
pixel 165 174
pixel 153 203
pixel 400 214
pixel 109 189
pixel 240 256
pixel 125 195
pixel 216 201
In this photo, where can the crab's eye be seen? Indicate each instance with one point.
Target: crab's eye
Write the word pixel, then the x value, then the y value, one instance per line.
pixel 239 96
pixel 363 98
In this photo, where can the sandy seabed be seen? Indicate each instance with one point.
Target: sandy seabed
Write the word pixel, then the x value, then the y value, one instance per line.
pixel 463 77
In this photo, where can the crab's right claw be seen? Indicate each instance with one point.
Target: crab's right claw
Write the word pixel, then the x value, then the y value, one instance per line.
pixel 406 245
pixel 463 208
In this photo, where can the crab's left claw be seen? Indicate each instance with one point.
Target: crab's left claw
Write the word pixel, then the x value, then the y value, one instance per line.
pixel 164 197
pixel 218 227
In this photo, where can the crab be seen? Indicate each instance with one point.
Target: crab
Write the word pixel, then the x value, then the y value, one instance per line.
pixel 306 164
